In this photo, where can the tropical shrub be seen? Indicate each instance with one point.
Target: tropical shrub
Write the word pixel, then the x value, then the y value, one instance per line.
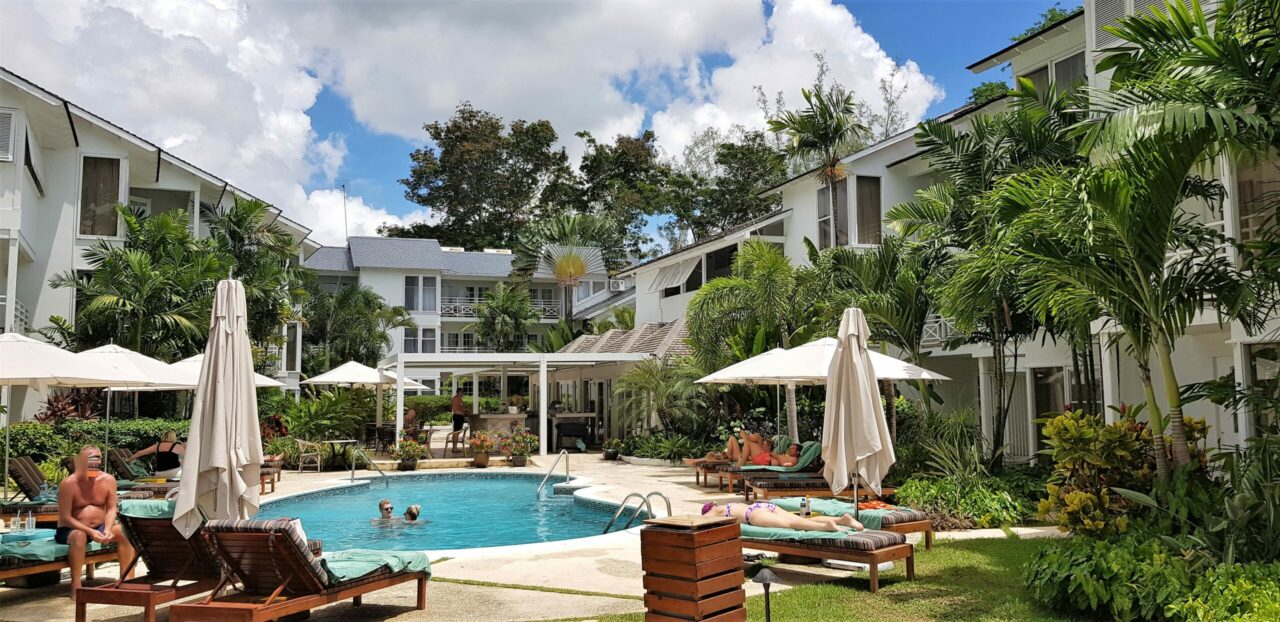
pixel 131 434
pixel 1090 457
pixel 956 503
pixel 282 446
pixel 54 471
pixel 436 408
pixel 521 443
pixel 666 446
pixel 1131 577
pixel 408 450
pixel 327 415
pixel 482 442
pixel 37 440
pixel 1238 592
pixel 69 405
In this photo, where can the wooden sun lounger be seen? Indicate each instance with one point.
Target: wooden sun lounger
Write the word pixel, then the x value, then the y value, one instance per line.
pixel 23 568
pixel 279 576
pixel 872 556
pixel 177 568
pixel 774 487
pixel 702 471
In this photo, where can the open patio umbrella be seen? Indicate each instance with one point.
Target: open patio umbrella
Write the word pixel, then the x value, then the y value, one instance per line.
pixel 810 363
pixel 190 370
pixel 224 447
pixel 855 436
pixel 138 371
pixel 355 374
pixel 27 362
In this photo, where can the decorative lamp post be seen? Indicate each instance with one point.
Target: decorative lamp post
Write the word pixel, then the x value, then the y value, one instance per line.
pixel 766 577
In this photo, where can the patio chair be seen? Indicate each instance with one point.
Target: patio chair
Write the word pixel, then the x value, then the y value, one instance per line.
pixel 898 519
pixel 459 438
pixel 279 576
pixel 866 547
pixel 177 567
pixel 310 453
pixel 42 499
pixel 125 467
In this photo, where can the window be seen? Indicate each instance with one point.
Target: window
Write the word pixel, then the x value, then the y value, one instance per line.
pixel 292 334
pixel 833 231
pixel 99 194
pixel 429 383
pixel 1039 77
pixel 694 281
pixel 411 293
pixel 429 294
pixel 597 287
pixel 420 293
pixel 868 206
pixel 1257 188
pixel 582 291
pixel 31 160
pixel 720 262
pixel 1068 73
pixel 773 229
pixel 427 341
pixel 410 340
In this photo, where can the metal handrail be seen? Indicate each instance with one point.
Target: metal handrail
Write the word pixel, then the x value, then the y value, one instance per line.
pixel 644 505
pixel 564 453
pixel 660 496
pixel 373 464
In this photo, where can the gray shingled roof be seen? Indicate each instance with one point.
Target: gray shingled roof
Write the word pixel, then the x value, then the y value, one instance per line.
pixel 404 253
pixel 331 259
pixel 661 340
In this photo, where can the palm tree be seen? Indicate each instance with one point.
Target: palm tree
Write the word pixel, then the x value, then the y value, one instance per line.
pixel 622 318
pixel 568 248
pixel 827 130
pixel 503 318
pixel 655 389
pixel 556 338
pixel 351 323
pixel 763 288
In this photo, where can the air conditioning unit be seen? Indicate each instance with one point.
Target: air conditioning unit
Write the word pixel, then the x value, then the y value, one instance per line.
pixel 498 251
pixel 453 249
pixel 617 285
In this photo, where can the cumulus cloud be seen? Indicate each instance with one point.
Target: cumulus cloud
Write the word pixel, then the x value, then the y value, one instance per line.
pixel 329 223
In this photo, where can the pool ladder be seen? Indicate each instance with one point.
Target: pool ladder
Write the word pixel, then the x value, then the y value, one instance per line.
pixel 360 452
pixel 564 453
pixel 643 505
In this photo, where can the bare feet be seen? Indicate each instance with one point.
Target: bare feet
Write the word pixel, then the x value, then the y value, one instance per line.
pixel 847 520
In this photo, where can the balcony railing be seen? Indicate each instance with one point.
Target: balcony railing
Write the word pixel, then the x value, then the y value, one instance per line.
pixel 465 306
pixel 465 350
pixel 937 330
pixel 21 316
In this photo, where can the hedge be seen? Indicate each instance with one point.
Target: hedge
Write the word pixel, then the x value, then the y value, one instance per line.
pixel 438 408
pixel 131 434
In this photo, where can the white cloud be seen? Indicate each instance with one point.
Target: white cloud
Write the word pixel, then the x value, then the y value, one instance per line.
pixel 328 222
pixel 782 59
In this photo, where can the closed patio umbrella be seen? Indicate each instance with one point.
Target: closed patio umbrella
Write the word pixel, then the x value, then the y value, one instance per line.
pixel 224 447
pixel 855 436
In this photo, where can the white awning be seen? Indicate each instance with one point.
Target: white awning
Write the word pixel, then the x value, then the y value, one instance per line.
pixel 674 274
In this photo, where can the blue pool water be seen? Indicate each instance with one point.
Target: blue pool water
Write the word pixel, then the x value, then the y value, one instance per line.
pixel 464 510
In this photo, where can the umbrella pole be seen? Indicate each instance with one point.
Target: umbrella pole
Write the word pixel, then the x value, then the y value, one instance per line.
pixel 106 429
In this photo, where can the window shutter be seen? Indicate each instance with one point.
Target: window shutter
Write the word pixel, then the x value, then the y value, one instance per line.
pixel 1105 13
pixel 6 135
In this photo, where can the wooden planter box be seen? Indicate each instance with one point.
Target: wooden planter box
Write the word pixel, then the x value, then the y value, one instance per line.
pixel 693 569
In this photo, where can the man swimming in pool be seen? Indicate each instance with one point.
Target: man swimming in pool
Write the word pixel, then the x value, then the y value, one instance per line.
pixel 762 514
pixel 384 513
pixel 87 513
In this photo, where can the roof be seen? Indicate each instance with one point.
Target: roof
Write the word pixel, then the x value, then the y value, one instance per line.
pixel 755 222
pixel 661 340
pixel 614 299
pixel 953 115
pixel 1007 52
pixel 47 95
pixel 404 253
pixel 330 259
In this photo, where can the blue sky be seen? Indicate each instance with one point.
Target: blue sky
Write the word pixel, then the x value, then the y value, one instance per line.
pixel 941 36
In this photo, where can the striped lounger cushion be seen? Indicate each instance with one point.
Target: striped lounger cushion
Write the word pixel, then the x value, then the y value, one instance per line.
pixel 865 541
pixel 290 528
pixel 897 517
pixel 791 484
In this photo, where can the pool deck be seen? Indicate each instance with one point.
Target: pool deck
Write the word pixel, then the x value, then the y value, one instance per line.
pixel 574 579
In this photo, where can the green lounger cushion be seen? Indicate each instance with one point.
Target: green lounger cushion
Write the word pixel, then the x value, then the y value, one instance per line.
pixel 39 550
pixel 867 540
pixel 872 519
pixel 149 508
pixel 809 451
pixel 356 563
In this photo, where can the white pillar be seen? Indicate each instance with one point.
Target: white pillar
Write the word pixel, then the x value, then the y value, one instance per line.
pixel 195 212
pixel 986 413
pixel 1244 378
pixel 378 394
pixel 1110 377
pixel 475 393
pixel 542 405
pixel 399 399
pixel 1030 389
pixel 503 384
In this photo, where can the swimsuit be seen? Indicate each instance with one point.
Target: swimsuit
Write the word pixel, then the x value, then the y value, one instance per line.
pixel 61 535
pixel 763 458
pixel 746 518
pixel 168 459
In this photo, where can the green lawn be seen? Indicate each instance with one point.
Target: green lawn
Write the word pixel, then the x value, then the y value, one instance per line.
pixel 959 580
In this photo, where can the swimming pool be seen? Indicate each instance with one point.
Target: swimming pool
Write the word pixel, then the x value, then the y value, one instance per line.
pixel 465 511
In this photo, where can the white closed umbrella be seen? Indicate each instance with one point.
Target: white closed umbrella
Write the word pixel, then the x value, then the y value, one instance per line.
pixel 224 448
pixel 855 436
pixel 138 371
pixel 27 362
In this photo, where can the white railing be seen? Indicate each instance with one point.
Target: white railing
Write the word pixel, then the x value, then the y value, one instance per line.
pixel 465 306
pixel 464 350
pixel 937 330
pixel 21 316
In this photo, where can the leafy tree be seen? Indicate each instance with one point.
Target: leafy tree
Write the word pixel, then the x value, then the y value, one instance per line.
pixel 719 184
pixel 1050 15
pixel 764 288
pixel 624 181
pixel 349 324
pixel 569 247
pixel 825 131
pixel 556 338
pixel 503 318
pixel 484 180
pixel 661 390
pixel 988 91
pixel 153 292
pixel 622 318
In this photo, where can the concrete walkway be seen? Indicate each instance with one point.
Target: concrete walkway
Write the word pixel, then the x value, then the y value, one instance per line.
pixel 590 576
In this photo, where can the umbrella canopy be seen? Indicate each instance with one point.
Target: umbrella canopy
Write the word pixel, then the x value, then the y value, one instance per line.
pixel 855 436
pixel 190 369
pixel 26 361
pixel 358 375
pixel 138 370
pixel 224 447
pixel 810 364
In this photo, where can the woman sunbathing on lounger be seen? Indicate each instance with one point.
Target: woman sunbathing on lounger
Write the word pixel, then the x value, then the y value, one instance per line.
pixel 762 514
pixel 751 447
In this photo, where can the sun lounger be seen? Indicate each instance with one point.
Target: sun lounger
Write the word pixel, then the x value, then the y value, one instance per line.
pixel 280 577
pixel 125 467
pixel 867 547
pixel 24 559
pixel 40 498
pixel 899 519
pixel 177 567
pixel 809 461
pixel 776 487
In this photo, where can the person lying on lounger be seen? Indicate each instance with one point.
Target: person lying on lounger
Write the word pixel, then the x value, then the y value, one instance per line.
pixel 762 514
pixel 751 445
pixel 788 459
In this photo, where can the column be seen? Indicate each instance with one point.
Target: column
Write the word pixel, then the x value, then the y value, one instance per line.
pixel 502 384
pixel 1244 378
pixel 984 397
pixel 378 395
pixel 399 399
pixel 475 393
pixel 1030 389
pixel 1110 377
pixel 542 405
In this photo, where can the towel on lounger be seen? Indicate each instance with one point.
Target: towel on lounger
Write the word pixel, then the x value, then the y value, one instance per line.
pixel 356 563
pixel 871 519
pixel 40 550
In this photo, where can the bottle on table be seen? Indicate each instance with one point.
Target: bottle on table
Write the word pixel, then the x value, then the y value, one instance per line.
pixel 806 507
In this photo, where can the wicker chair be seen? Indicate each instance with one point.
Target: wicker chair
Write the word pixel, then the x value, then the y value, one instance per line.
pixel 310 453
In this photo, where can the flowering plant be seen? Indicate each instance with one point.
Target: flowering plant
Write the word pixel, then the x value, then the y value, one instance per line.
pixel 520 443
pixel 482 442
pixel 408 450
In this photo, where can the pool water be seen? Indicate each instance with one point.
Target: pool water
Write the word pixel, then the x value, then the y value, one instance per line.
pixel 465 511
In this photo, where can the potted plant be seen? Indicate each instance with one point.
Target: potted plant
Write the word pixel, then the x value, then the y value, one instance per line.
pixel 518 446
pixel 408 453
pixel 481 444
pixel 517 404
pixel 612 448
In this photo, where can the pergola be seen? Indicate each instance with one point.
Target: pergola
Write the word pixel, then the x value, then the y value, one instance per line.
pixel 504 363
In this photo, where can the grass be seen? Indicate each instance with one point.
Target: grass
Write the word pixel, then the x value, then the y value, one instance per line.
pixel 979 580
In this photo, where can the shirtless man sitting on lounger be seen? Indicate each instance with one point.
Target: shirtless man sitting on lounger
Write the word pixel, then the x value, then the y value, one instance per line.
pixel 87 513
pixel 762 514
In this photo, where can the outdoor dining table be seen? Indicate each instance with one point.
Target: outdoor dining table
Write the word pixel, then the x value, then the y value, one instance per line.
pixel 338 443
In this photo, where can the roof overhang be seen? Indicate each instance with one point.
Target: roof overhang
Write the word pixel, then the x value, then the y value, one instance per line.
pixel 479 362
pixel 733 236
pixel 1029 42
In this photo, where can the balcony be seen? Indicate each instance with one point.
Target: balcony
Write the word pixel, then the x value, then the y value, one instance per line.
pixel 937 331
pixel 465 307
pixel 21 316
pixel 465 350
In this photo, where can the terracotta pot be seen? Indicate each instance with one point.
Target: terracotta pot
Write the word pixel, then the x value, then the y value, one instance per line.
pixel 519 460
pixel 480 461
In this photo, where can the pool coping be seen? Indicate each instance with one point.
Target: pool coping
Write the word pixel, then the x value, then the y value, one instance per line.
pixel 582 492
